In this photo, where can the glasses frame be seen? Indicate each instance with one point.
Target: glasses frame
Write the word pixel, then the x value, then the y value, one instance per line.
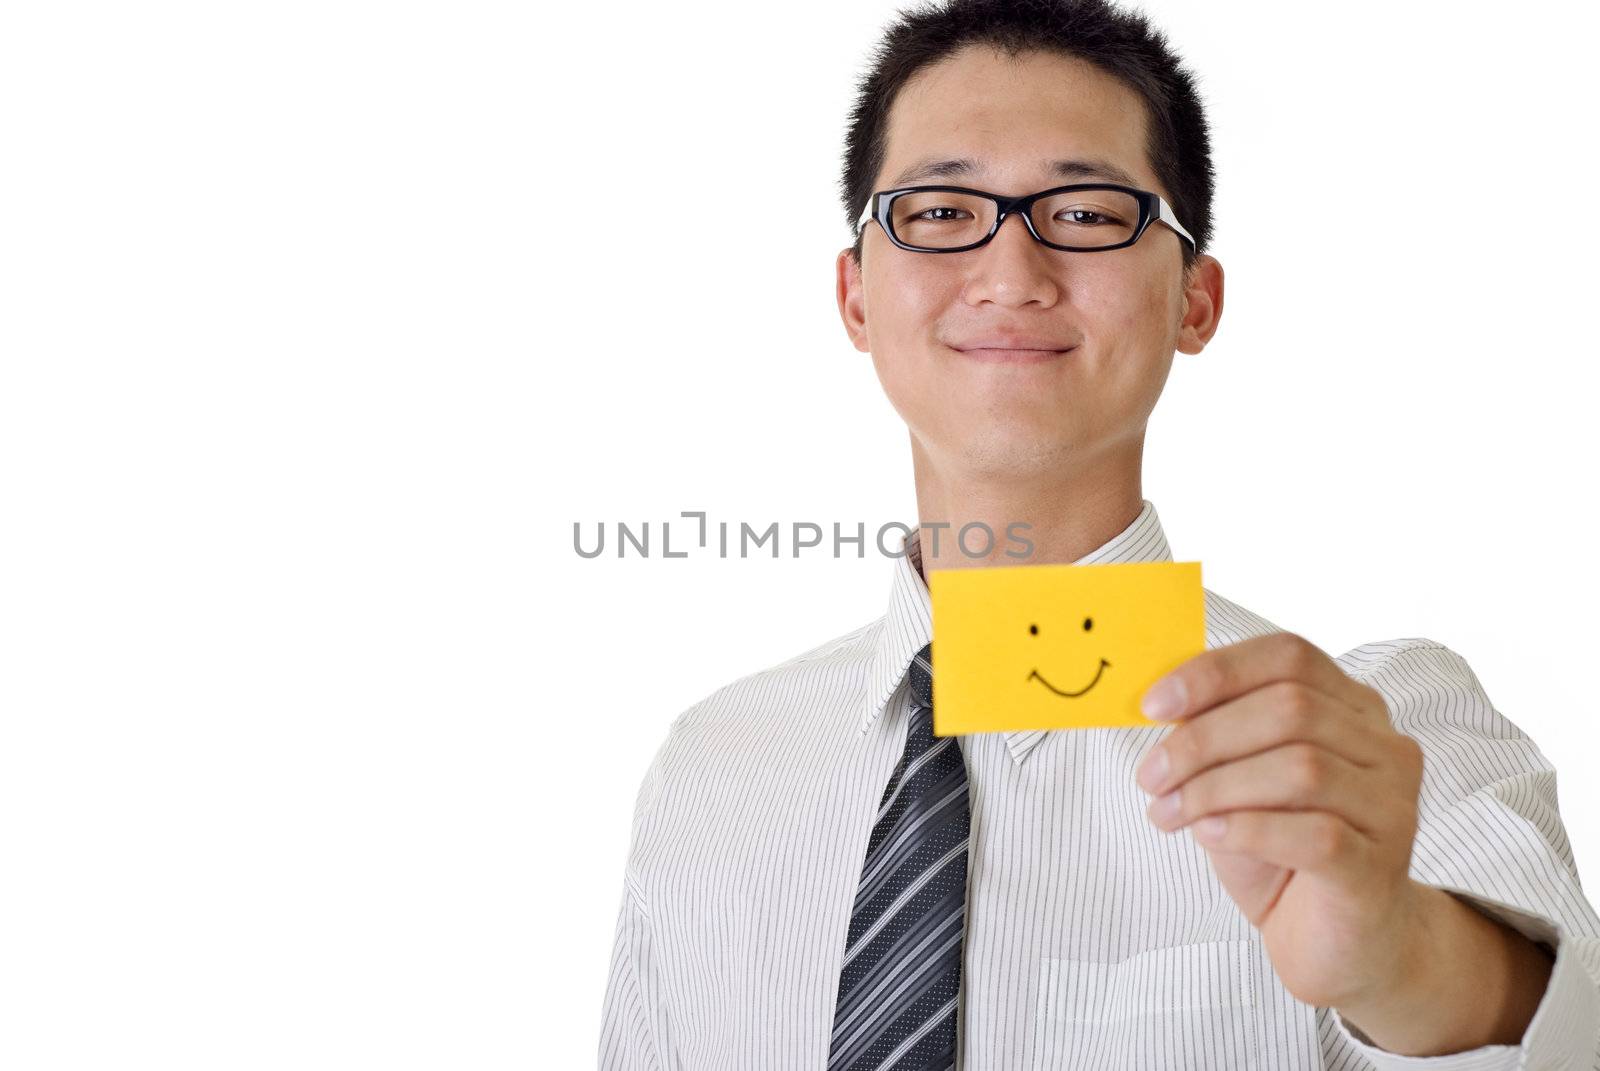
pixel 1153 208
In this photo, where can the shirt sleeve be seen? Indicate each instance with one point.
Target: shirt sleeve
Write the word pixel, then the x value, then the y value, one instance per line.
pixel 1489 832
pixel 633 1024
pixel 626 1033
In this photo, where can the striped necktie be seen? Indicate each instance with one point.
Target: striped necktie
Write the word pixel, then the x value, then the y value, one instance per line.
pixel 901 981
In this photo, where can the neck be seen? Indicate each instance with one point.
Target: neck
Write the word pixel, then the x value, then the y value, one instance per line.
pixel 1069 511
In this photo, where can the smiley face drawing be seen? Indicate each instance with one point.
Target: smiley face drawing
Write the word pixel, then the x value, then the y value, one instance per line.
pixel 1057 646
pixel 1035 675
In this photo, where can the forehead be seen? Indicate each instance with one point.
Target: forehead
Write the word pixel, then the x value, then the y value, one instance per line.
pixel 1013 117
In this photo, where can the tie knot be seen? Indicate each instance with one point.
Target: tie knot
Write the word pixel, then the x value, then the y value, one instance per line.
pixel 922 676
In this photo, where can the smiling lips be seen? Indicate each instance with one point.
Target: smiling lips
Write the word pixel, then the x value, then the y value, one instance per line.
pixel 1072 695
pixel 1011 348
pixel 997 356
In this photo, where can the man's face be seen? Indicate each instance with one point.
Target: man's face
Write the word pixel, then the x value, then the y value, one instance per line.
pixel 1122 312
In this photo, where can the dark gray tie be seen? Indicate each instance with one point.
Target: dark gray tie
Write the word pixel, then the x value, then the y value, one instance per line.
pixel 901 981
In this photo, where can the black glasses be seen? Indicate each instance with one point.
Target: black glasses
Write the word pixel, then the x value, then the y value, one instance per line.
pixel 1085 218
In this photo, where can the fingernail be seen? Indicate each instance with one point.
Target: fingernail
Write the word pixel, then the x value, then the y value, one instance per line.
pixel 1165 699
pixel 1165 809
pixel 1154 770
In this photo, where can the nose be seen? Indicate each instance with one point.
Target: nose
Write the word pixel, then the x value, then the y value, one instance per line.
pixel 1012 269
pixel 1014 216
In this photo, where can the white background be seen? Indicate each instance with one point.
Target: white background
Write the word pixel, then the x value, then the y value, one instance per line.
pixel 323 322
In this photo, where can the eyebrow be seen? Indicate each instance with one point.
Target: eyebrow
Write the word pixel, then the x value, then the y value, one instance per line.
pixel 965 167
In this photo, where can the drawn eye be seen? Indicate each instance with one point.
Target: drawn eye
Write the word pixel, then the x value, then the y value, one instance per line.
pixel 1088 623
pixel 1033 630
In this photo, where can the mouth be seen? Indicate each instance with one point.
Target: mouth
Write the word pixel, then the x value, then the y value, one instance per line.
pixel 1071 695
pixel 989 355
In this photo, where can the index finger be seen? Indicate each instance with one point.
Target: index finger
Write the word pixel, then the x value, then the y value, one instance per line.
pixel 1228 672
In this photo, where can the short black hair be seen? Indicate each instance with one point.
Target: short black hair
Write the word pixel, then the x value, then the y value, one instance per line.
pixel 1120 42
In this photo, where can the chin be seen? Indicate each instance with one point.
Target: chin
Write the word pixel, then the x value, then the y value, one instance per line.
pixel 1011 451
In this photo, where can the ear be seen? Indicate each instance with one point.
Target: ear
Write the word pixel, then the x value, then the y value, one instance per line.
pixel 852 298
pixel 1202 308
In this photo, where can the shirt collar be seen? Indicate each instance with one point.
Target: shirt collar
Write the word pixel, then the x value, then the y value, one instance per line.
pixel 908 625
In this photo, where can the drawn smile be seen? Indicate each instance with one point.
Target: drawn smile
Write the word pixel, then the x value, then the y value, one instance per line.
pixel 1072 695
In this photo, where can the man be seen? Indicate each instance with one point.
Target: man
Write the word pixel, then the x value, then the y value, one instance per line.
pixel 817 882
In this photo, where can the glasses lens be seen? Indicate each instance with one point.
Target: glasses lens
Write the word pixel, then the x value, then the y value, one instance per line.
pixel 939 219
pixel 1079 219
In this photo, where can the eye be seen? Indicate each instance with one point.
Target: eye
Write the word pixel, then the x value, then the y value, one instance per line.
pixel 926 212
pixel 1099 219
pixel 1033 630
pixel 1088 623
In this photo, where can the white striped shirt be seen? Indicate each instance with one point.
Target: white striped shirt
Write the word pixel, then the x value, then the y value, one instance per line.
pixel 1094 940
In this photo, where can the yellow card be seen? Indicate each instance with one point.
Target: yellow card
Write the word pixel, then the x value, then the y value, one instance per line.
pixel 1058 646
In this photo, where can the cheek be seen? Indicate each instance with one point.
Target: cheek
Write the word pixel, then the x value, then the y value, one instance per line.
pixel 1122 302
pixel 908 301
pixel 1127 317
pixel 902 315
pixel 1133 318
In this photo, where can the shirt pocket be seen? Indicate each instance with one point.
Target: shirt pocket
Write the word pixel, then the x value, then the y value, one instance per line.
pixel 1188 1006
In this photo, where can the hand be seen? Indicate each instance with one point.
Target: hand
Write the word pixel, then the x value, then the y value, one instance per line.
pixel 1315 796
